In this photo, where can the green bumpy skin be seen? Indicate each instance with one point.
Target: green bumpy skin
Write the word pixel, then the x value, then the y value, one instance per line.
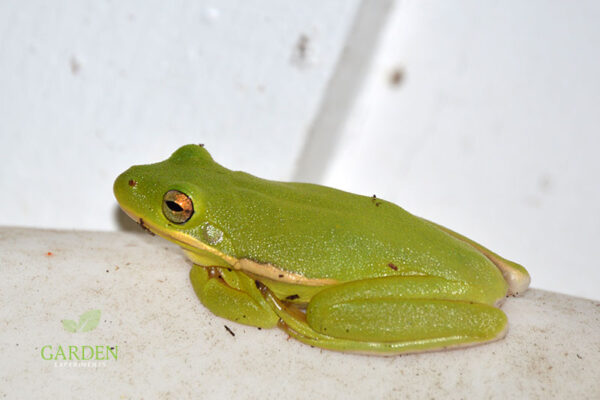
pixel 335 270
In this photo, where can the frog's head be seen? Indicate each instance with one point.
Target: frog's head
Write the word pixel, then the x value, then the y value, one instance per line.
pixel 170 198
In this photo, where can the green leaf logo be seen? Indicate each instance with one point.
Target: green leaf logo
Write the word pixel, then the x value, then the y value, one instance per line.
pixel 88 321
pixel 70 326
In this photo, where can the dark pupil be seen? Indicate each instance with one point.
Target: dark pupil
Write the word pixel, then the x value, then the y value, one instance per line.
pixel 174 206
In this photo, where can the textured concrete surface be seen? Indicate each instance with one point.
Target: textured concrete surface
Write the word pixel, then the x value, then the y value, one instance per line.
pixel 169 346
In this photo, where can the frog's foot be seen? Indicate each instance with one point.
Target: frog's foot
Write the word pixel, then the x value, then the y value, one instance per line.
pixel 373 321
pixel 232 295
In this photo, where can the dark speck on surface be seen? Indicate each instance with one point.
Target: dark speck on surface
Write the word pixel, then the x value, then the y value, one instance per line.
pixel 396 77
pixel 229 330
pixel 75 66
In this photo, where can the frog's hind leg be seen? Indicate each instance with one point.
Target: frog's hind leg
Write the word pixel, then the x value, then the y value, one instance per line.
pixel 232 295
pixel 394 315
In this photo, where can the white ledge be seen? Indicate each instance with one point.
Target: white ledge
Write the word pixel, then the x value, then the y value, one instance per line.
pixel 170 346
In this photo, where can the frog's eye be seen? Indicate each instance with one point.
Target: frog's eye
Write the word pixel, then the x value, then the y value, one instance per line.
pixel 177 206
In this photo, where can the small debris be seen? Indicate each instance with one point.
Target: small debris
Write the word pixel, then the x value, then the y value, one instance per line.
pixel 75 66
pixel 49 254
pixel 229 330
pixel 292 297
pixel 392 266
pixel 396 77
pixel 301 51
pixel 374 200
pixel 301 46
pixel 132 183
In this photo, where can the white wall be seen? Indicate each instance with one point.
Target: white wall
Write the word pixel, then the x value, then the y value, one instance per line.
pixel 88 88
pixel 491 128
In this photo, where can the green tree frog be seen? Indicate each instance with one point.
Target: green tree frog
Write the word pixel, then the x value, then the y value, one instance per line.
pixel 333 269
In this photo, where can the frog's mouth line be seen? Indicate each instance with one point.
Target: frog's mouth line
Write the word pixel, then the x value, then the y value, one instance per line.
pixel 187 242
pixel 195 246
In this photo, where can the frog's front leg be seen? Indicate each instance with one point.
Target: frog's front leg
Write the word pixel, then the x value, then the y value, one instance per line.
pixel 394 315
pixel 232 295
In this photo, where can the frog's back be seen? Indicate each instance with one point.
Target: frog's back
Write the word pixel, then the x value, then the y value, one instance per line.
pixel 322 232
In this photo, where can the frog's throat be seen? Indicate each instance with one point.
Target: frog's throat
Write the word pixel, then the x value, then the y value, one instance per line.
pixel 193 246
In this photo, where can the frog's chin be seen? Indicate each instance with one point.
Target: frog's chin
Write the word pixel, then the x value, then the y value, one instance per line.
pixel 130 213
pixel 197 251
